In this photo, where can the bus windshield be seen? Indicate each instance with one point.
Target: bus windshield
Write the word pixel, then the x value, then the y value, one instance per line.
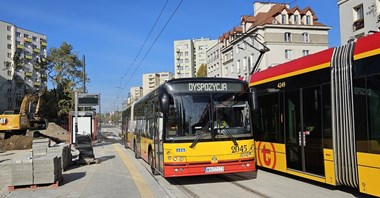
pixel 209 116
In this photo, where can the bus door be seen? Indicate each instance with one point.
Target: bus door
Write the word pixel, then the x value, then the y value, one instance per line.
pixel 158 148
pixel 304 150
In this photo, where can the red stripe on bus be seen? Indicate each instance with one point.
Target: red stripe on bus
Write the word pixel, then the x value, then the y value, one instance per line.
pixel 368 43
pixel 294 65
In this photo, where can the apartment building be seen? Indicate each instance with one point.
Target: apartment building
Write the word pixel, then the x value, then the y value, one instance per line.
pixel 135 93
pixel 214 61
pixel 277 31
pixel 358 18
pixel 22 54
pixel 189 55
pixel 152 80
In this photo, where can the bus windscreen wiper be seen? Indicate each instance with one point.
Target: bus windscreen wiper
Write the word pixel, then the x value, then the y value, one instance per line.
pixel 200 135
pixel 225 132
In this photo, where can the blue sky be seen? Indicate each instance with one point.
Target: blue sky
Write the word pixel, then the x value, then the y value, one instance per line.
pixel 111 33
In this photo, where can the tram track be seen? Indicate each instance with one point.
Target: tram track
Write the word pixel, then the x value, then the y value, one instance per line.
pixel 181 187
pixel 244 187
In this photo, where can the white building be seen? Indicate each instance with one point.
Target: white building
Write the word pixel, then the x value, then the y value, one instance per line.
pixel 152 80
pixel 288 33
pixel 189 55
pixel 358 18
pixel 214 61
pixel 28 75
pixel 135 93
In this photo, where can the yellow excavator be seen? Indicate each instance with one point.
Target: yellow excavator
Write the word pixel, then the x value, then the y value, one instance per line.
pixel 28 118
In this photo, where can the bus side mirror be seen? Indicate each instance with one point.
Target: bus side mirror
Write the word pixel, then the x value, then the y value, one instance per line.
pixel 165 103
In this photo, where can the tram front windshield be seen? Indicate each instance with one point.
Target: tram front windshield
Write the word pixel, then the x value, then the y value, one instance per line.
pixel 207 117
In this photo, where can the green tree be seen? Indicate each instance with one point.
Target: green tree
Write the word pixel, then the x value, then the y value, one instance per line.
pixel 202 71
pixel 65 70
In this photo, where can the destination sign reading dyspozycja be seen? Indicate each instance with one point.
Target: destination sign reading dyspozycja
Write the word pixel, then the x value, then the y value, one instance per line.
pixel 206 87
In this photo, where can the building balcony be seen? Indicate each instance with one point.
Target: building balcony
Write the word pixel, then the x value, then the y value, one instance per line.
pixel 358 24
pixel 29 57
pixel 37 84
pixel 29 40
pixel 36 50
pixel 43 76
pixel 19 80
pixel 44 43
pixel 19 66
pixel 36 67
pixel 28 74
pixel 19 46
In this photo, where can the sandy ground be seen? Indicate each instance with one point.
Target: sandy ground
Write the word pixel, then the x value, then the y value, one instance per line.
pixel 18 142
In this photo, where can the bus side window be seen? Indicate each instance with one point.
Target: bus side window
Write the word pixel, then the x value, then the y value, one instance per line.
pixel 171 125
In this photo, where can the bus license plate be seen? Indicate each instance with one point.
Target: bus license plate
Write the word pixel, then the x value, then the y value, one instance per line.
pixel 214 169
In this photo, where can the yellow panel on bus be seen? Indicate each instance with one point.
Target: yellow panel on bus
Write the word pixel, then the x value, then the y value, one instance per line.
pixel 271 155
pixel 369 173
pixel 329 166
pixel 213 152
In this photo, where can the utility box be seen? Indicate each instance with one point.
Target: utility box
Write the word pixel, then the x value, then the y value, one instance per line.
pixel 87 125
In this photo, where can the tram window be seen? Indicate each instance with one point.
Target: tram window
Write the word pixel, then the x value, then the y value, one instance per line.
pixel 373 87
pixel 267 119
pixel 327 116
pixel 360 108
pixel 367 114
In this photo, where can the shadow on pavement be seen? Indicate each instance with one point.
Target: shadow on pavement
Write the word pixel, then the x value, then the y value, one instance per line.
pixel 70 177
pixel 105 158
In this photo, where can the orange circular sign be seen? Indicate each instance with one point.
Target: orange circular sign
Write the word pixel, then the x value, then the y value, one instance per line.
pixel 267 155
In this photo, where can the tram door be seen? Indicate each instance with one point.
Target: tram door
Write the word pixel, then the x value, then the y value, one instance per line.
pixel 304 150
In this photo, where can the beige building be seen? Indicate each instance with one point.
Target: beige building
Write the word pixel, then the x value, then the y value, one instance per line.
pixel 152 80
pixel 189 55
pixel 135 93
pixel 358 18
pixel 28 75
pixel 288 33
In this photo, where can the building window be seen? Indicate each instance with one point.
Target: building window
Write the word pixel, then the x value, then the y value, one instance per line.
pixel 296 19
pixel 238 66
pixel 186 46
pixel 288 54
pixel 9 37
pixel 305 52
pixel 9 55
pixel 232 68
pixel 308 20
pixel 9 46
pixel 9 73
pixel 9 27
pixel 18 34
pixel 186 53
pixel 358 17
pixel 288 37
pixel 283 18
pixel 34 38
pixel 26 36
pixel 237 49
pixel 305 37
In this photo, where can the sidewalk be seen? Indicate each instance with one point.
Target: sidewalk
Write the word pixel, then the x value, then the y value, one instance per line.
pixel 109 178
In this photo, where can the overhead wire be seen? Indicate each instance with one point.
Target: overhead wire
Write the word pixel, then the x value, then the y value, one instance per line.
pixel 143 45
pixel 154 42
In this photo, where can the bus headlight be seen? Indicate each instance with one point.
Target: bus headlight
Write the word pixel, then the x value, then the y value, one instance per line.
pixel 169 157
pixel 174 158
pixel 181 159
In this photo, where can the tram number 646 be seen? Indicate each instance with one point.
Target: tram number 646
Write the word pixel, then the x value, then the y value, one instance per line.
pixel 237 149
